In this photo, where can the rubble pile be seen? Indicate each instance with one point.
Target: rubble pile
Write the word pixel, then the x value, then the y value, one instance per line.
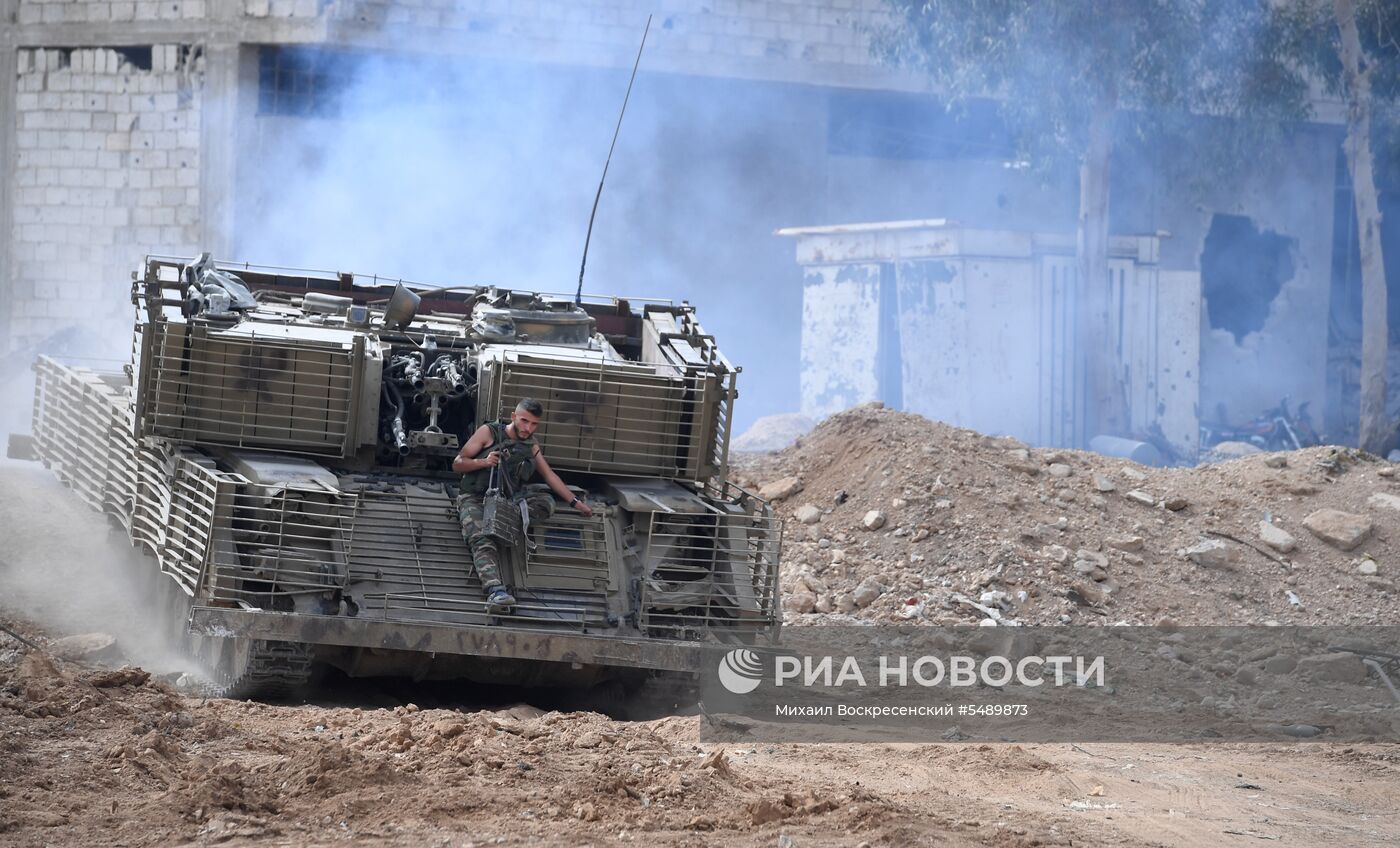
pixel 890 517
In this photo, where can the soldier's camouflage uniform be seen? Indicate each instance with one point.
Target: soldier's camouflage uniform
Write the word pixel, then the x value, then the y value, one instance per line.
pixel 517 467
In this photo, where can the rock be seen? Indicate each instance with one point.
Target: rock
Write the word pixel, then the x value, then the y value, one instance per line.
pixel 1088 569
pixel 1055 553
pixel 1210 553
pixel 867 592
pixel 1280 665
pixel 1060 470
pixel 1367 568
pixel 1099 560
pixel 1343 530
pixel 1176 503
pixel 800 603
pixel 1276 460
pixel 838 555
pixel 808 514
pixel 845 603
pixel 1088 593
pixel 1124 543
pixel 942 503
pixel 840 497
pixel 779 489
pixel 920 535
pixel 1386 471
pixel 824 604
pixel 1133 474
pixel 1019 455
pixel 1138 496
pixel 873 520
pixel 1103 484
pixel 1333 667
pixel 898 503
pixel 806 582
pixel 1276 537
pixel 86 646
pixel 765 811
pixel 1384 500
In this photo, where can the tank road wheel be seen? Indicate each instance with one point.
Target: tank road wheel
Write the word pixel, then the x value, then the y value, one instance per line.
pixel 255 669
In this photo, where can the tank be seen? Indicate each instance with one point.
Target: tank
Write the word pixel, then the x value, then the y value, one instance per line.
pixel 281 444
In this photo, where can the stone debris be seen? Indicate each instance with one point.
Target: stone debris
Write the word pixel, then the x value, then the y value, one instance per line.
pixel 1340 529
pixel 1384 500
pixel 1332 667
pixel 1367 568
pixel 867 592
pixel 808 514
pixel 777 490
pixel 1103 484
pixel 1138 496
pixel 1276 537
pixel 1060 470
pixel 873 520
pixel 1125 543
pixel 1211 553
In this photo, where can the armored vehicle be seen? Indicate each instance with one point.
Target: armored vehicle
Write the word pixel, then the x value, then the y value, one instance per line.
pixel 281 443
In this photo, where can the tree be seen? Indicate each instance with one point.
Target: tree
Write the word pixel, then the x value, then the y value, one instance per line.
pixel 1063 72
pixel 1353 48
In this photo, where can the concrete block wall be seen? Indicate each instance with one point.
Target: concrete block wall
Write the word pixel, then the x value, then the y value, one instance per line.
pixel 106 170
pixel 743 34
pixel 103 11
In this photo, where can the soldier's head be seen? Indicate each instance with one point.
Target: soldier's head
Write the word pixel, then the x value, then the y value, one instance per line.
pixel 526 417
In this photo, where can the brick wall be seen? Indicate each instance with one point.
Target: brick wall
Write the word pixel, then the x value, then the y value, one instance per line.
pixel 106 170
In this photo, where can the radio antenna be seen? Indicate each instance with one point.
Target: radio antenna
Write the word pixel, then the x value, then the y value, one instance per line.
pixel 578 296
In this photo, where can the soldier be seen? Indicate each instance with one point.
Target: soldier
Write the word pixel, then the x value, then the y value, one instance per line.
pixel 512 447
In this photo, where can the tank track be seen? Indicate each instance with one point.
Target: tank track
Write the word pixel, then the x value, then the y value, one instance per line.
pixel 273 671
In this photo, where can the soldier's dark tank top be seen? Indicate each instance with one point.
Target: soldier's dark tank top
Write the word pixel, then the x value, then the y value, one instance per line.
pixel 519 465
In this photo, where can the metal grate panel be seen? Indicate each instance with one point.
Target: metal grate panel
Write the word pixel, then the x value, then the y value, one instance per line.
pixel 247 390
pixel 716 570
pixel 618 417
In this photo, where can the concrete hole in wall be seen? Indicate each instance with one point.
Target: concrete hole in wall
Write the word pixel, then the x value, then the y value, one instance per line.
pixel 1243 269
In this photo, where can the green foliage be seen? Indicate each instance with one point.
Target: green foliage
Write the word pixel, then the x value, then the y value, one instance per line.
pixel 1306 32
pixel 1050 63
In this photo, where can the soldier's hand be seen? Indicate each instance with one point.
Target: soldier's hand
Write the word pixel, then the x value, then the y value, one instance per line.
pixel 492 459
pixel 584 508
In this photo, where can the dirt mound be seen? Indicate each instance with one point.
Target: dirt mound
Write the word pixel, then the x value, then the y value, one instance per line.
pixel 901 519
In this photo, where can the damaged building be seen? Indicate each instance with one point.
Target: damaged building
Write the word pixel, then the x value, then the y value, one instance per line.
pixel 460 141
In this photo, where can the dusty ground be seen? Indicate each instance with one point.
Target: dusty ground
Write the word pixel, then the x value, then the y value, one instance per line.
pixel 94 754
